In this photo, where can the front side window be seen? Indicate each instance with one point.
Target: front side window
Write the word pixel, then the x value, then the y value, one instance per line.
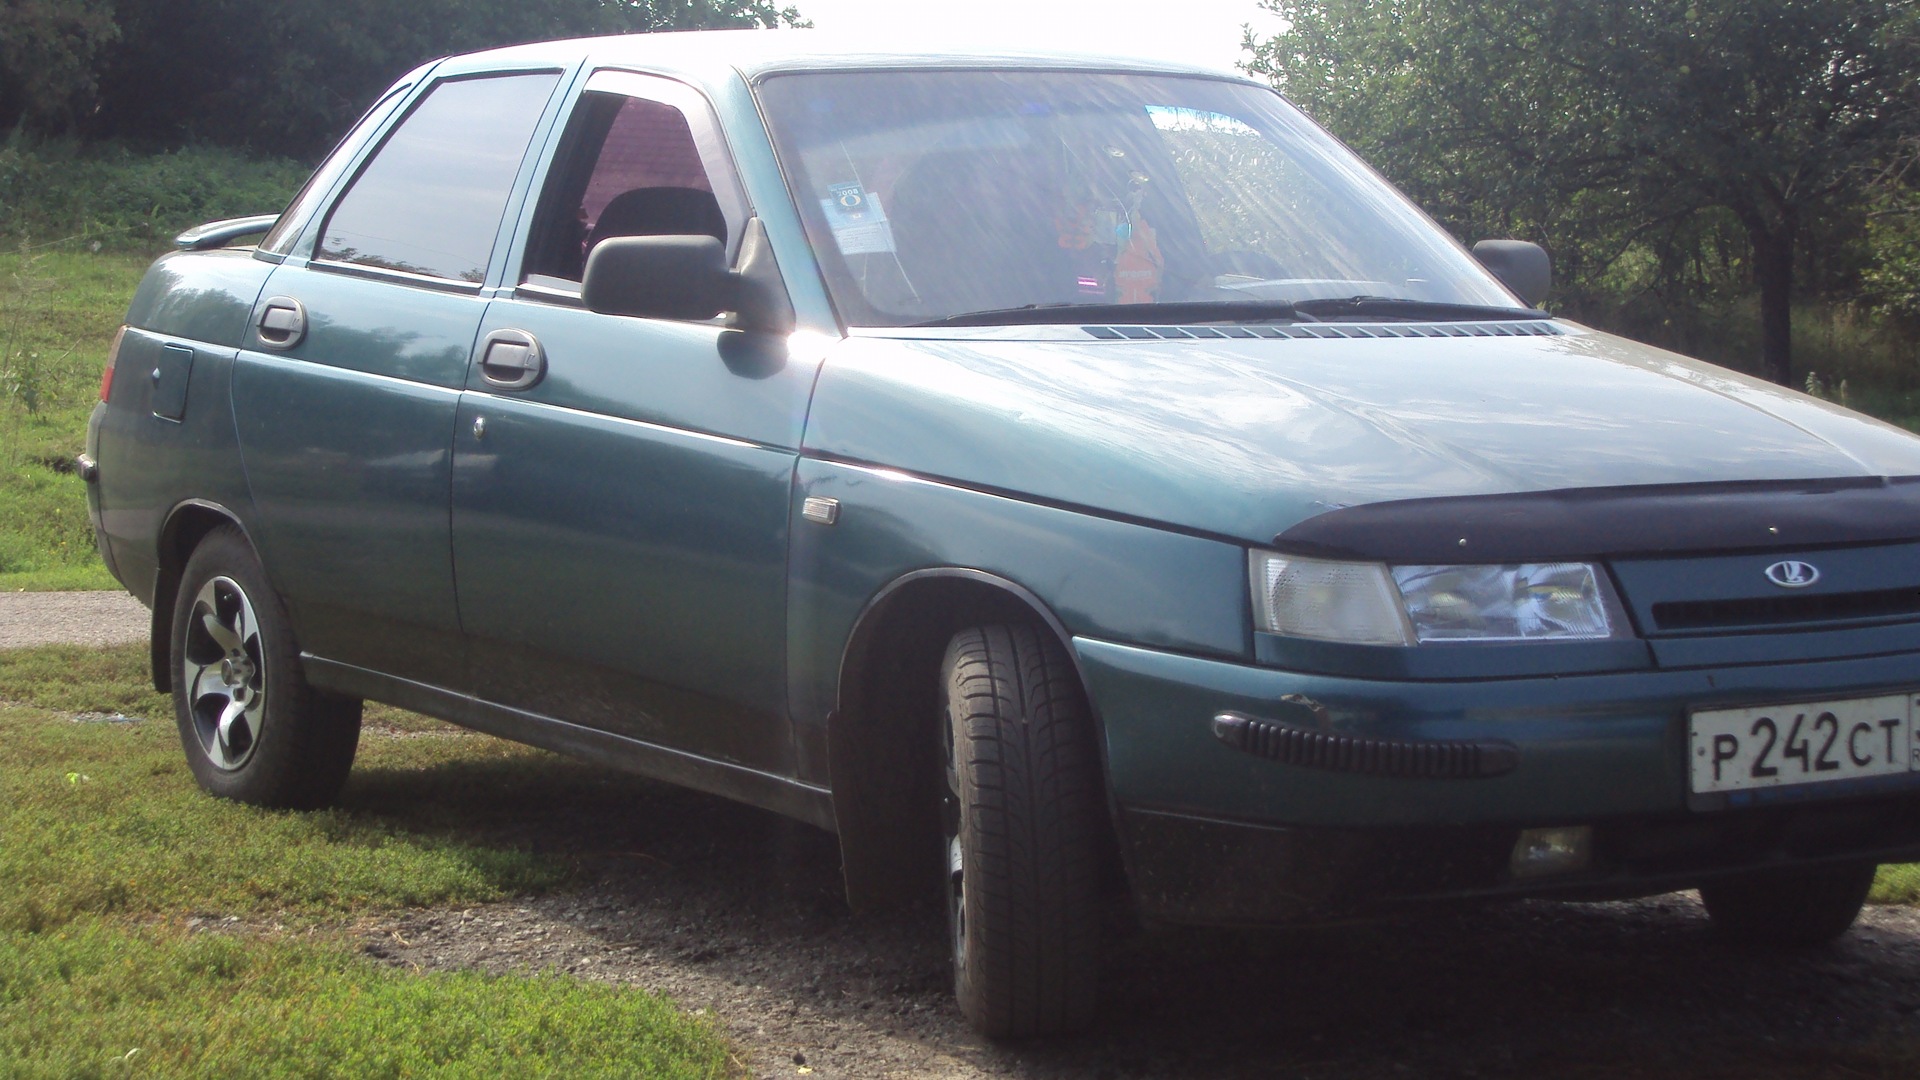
pixel 932 194
pixel 629 164
pixel 431 200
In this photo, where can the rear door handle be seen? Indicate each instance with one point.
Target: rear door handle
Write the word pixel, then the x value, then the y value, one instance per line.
pixel 282 323
pixel 512 360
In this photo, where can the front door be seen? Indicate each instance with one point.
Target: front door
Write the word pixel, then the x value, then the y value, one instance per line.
pixel 621 485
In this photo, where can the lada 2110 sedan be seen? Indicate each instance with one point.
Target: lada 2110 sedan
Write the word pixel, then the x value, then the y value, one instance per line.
pixel 1063 478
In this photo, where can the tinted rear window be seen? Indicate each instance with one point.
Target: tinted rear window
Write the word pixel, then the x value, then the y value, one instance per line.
pixel 431 199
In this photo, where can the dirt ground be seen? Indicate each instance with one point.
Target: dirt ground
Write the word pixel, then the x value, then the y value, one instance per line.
pixel 736 912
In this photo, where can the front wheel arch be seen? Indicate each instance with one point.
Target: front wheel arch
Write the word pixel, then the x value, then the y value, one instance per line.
pixel 882 729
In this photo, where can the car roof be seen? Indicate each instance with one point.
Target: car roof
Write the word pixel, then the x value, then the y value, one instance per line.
pixel 755 54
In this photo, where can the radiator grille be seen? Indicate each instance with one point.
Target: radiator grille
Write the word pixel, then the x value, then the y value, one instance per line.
pixel 1775 610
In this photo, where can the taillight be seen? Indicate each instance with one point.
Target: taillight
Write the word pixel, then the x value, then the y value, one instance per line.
pixel 113 358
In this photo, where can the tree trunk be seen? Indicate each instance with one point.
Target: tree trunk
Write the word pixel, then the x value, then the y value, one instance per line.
pixel 1773 272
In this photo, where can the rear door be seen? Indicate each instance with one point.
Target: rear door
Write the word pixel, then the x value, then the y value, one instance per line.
pixel 620 507
pixel 346 397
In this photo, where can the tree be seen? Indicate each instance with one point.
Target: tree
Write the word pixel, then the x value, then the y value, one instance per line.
pixel 1615 122
pixel 48 55
pixel 278 76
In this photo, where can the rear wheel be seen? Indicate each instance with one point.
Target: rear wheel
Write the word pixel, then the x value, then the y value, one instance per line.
pixel 1022 822
pixel 252 728
pixel 1788 907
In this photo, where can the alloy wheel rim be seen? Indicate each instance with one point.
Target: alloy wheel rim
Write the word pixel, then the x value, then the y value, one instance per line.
pixel 956 861
pixel 223 671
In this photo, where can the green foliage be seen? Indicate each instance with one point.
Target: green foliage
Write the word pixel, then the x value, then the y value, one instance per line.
pixel 1698 139
pixel 1893 232
pixel 72 196
pixel 49 58
pixel 58 311
pixel 283 78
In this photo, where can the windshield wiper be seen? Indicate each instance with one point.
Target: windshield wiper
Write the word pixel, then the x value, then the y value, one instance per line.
pixel 1394 307
pixel 1171 313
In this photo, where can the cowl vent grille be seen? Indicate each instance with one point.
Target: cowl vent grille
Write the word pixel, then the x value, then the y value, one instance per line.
pixel 1530 328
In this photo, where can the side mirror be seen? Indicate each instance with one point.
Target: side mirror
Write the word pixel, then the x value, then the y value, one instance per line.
pixel 687 277
pixel 1521 266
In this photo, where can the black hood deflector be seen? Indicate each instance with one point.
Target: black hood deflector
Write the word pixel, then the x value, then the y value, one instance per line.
pixel 1590 523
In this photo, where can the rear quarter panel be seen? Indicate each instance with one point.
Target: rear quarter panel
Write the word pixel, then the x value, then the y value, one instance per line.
pixel 149 464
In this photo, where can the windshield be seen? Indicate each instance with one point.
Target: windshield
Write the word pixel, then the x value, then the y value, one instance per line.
pixel 935 194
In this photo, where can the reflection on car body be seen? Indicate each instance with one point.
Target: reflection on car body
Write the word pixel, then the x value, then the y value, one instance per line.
pixel 1060 477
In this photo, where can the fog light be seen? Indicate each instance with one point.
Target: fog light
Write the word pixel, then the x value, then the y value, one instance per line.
pixel 1552 851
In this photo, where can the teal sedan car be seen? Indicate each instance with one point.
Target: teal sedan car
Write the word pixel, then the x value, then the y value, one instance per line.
pixel 1069 480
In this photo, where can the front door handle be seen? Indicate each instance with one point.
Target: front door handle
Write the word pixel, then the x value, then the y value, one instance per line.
pixel 512 360
pixel 282 322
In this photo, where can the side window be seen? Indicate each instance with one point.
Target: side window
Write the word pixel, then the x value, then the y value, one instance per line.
pixel 627 166
pixel 431 200
pixel 294 218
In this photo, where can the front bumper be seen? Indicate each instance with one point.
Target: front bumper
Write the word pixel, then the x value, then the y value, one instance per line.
pixel 1214 834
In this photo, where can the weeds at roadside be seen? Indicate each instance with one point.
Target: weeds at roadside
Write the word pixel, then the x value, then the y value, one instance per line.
pixel 58 311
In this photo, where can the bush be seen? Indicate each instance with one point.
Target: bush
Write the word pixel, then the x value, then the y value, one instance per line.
pixel 120 200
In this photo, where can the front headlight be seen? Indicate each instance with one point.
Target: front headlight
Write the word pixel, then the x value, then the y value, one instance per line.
pixel 1529 602
pixel 1373 604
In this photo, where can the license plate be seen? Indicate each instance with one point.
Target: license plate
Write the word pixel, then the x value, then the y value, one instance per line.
pixel 1812 743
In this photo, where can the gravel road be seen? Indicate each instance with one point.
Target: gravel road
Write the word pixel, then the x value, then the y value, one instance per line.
pixel 76 618
pixel 737 912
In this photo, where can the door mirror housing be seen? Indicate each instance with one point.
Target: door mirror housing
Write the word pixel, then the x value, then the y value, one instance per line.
pixel 687 277
pixel 1520 266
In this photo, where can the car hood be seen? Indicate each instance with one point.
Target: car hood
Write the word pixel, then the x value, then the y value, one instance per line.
pixel 1245 438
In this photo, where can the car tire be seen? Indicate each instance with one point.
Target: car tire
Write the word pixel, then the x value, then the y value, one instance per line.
pixel 1021 818
pixel 252 728
pixel 1788 907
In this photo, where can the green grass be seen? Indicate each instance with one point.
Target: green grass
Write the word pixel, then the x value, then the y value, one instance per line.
pixel 104 819
pixel 96 999
pixel 1896 885
pixel 106 846
pixel 58 312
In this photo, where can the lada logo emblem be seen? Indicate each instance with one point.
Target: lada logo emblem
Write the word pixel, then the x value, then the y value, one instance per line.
pixel 1793 574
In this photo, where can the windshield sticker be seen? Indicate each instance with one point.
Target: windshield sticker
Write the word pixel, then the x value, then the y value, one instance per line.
pixel 859 224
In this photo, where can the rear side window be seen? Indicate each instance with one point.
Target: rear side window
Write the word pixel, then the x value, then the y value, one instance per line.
pixel 431 200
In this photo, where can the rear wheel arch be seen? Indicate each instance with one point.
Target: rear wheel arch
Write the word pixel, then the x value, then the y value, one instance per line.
pixel 883 732
pixel 186 525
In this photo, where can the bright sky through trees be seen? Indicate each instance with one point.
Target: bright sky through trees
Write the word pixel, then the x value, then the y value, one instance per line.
pixel 1192 31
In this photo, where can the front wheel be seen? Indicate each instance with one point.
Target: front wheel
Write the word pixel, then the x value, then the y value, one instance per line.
pixel 253 730
pixel 1022 821
pixel 1788 907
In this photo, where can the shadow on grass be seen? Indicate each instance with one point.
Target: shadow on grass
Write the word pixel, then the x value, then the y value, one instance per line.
pixel 715 894
pixel 597 821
